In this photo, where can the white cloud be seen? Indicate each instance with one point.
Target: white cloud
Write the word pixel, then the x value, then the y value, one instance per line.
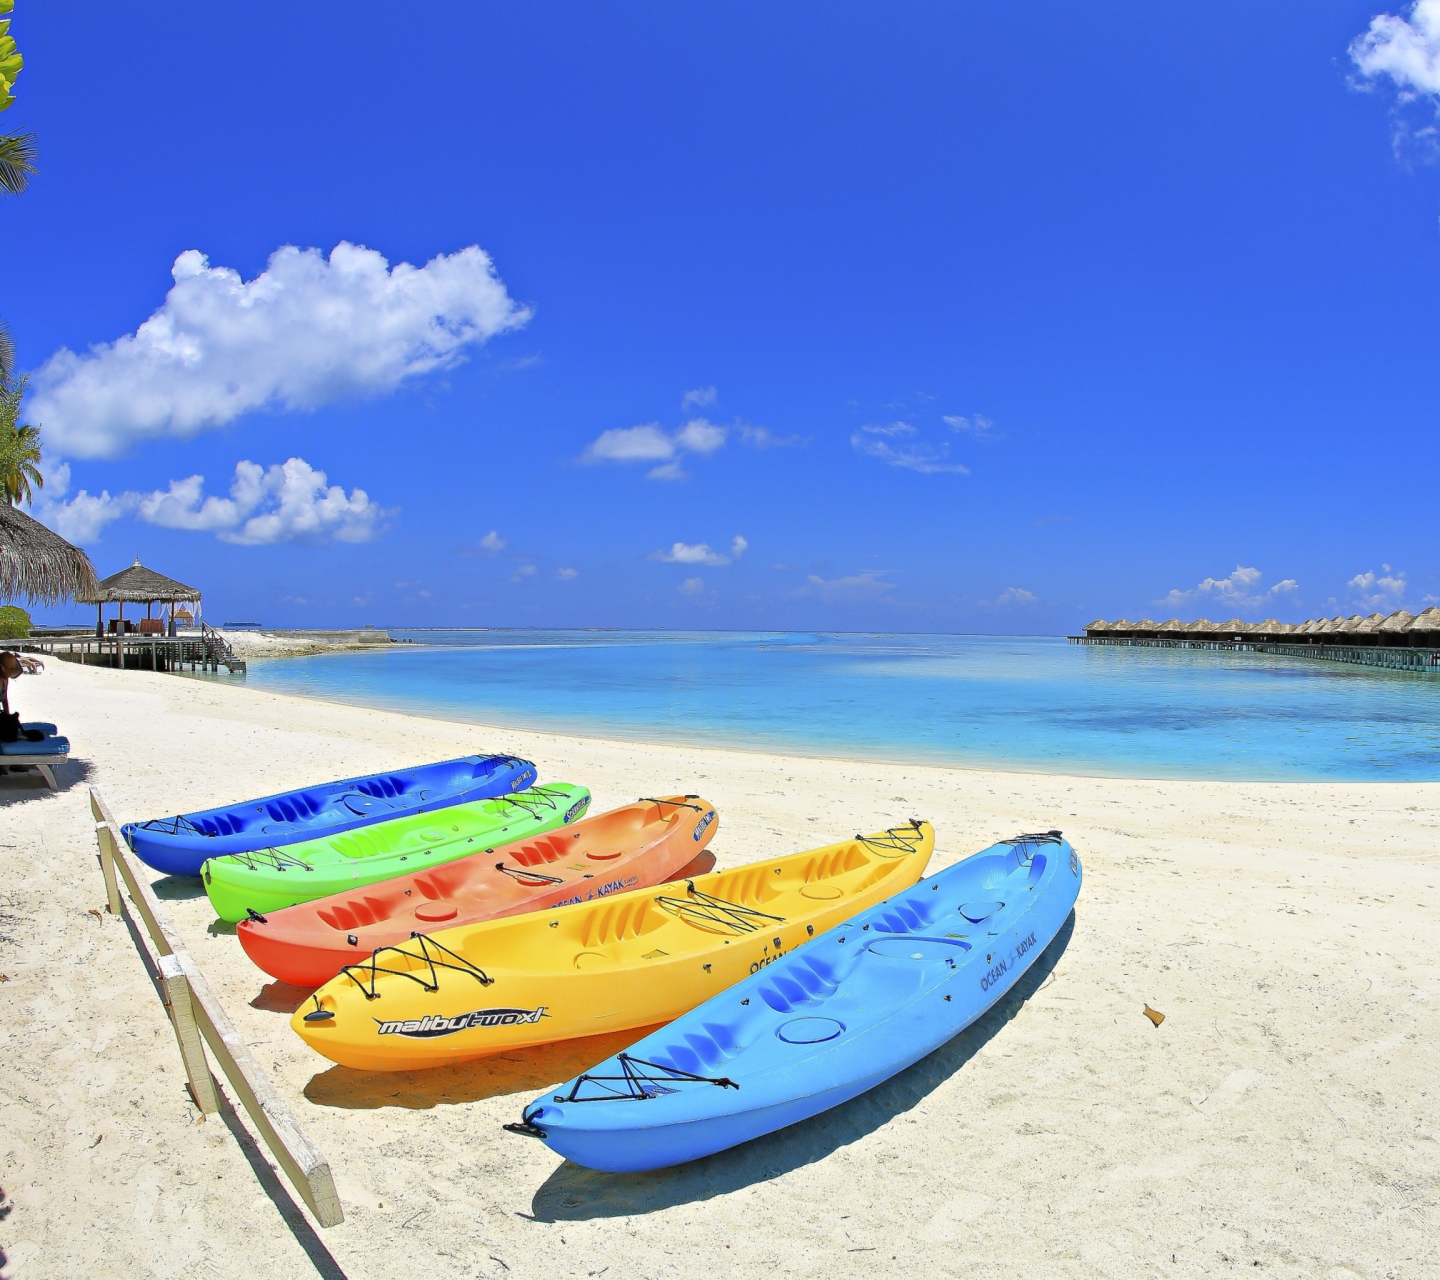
pixel 865 585
pixel 976 426
pixel 523 572
pixel 700 553
pixel 567 575
pixel 691 587
pixel 1379 591
pixel 1015 595
pixel 896 445
pixel 492 543
pixel 306 332
pixel 700 398
pixel 1407 51
pixel 650 442
pixel 289 502
pixel 1240 591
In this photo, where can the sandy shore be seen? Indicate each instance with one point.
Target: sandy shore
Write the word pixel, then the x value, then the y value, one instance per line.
pixel 1283 1115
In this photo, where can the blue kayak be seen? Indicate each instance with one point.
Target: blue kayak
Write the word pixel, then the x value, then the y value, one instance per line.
pixel 177 846
pixel 823 1023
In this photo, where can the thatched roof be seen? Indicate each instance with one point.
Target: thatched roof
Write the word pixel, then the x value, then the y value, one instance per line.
pixel 1400 620
pixel 1098 625
pixel 1235 625
pixel 1372 623
pixel 1202 624
pixel 139 585
pixel 1172 624
pixel 1427 620
pixel 37 565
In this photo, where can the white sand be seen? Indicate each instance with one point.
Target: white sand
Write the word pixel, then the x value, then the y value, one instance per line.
pixel 1285 1113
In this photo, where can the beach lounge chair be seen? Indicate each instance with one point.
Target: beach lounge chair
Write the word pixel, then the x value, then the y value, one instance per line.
pixel 41 756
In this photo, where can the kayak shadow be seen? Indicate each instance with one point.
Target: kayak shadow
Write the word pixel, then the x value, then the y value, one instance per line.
pixel 525 1071
pixel 573 1193
pixel 178 888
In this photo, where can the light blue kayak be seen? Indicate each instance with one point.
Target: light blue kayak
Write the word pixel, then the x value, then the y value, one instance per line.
pixel 823 1023
pixel 178 846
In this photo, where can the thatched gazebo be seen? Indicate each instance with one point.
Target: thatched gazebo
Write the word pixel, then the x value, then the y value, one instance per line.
pixel 37 565
pixel 137 585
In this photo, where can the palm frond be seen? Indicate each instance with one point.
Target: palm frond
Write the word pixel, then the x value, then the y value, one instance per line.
pixel 7 355
pixel 18 154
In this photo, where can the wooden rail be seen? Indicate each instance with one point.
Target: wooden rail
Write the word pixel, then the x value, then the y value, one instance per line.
pixel 209 651
pixel 195 1012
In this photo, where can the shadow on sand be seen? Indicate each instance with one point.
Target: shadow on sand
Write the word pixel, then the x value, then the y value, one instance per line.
pixel 526 1071
pixel 573 1193
pixel 27 784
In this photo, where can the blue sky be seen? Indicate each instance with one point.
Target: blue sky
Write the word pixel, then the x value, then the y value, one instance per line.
pixel 957 317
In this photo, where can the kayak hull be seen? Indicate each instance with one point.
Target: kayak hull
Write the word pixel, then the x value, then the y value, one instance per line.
pixel 874 996
pixel 178 846
pixel 628 961
pixel 272 879
pixel 632 847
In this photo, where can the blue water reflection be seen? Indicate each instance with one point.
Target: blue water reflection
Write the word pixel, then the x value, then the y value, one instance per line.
pixel 1020 703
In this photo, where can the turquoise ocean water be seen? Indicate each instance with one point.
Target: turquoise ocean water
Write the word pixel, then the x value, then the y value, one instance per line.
pixel 1015 703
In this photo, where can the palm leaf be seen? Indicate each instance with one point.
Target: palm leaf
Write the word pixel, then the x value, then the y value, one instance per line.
pixel 17 161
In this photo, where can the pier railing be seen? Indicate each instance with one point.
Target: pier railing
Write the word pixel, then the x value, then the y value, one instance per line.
pixel 208 650
pixel 1420 661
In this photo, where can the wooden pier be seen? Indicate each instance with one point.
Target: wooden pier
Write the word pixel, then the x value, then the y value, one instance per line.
pixel 1400 642
pixel 205 650
pixel 1420 661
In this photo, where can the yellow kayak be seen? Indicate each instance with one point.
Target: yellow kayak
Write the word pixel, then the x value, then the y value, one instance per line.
pixel 630 960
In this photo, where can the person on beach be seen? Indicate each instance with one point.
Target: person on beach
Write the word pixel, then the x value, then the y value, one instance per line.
pixel 11 668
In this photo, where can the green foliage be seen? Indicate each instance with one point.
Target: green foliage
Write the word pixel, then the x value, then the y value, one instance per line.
pixel 17 151
pixel 20 449
pixel 10 59
pixel 14 622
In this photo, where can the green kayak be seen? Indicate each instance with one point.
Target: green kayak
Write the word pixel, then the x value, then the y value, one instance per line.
pixel 268 879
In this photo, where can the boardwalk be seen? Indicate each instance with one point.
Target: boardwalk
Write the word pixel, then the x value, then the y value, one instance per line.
pixel 205 651
pixel 1400 641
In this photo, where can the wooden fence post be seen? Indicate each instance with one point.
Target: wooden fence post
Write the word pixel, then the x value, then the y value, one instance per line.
pixel 107 865
pixel 187 1032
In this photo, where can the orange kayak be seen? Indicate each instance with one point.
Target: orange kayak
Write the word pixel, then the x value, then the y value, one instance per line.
pixel 633 847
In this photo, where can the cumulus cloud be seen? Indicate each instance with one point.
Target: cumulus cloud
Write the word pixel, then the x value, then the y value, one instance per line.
pixel 865 585
pixel 307 331
pixel 1240 591
pixel 691 587
pixel 1405 50
pixel 567 575
pixel 976 425
pixel 897 444
pixel 700 553
pixel 1379 591
pixel 288 502
pixel 492 544
pixel 700 398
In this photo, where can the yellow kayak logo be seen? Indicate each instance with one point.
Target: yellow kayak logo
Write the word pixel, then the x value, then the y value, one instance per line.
pixel 439 1024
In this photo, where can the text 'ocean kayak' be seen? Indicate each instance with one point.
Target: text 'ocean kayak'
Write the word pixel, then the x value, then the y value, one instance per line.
pixel 177 846
pixel 874 995
pixel 633 847
pixel 631 960
pixel 270 879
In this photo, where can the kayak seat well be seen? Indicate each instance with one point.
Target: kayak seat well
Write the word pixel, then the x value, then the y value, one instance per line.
pixel 354 913
pixel 828 866
pixel 223 824
pixel 384 787
pixel 546 849
pixel 615 922
pixel 295 807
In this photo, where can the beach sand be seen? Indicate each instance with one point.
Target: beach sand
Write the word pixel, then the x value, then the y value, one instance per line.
pixel 1283 1114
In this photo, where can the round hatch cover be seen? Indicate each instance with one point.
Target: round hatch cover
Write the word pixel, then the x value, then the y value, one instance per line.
pixel 978 911
pixel 437 910
pixel 809 1030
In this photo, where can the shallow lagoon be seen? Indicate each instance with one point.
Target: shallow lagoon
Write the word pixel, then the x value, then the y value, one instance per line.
pixel 1031 703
